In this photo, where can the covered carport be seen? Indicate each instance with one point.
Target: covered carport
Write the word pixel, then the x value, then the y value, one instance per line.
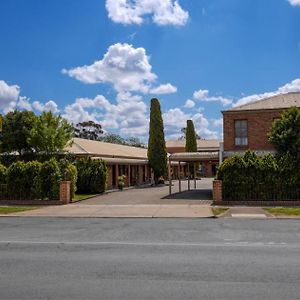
pixel 188 158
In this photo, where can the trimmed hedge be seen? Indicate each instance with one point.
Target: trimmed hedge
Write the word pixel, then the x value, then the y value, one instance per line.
pixel 35 180
pixel 250 177
pixel 92 176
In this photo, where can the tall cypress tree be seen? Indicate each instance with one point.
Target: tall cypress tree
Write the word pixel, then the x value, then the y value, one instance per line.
pixel 157 154
pixel 190 140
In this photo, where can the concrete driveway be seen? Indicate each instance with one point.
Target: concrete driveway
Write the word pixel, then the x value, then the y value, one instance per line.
pixel 150 202
pixel 159 195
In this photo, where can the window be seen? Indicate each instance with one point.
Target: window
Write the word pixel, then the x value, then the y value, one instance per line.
pixel 241 132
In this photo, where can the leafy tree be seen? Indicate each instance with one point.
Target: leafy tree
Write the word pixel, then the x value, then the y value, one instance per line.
pixel 190 140
pixel 157 154
pixel 135 142
pixel 50 134
pixel 285 133
pixel 16 130
pixel 88 130
pixel 113 138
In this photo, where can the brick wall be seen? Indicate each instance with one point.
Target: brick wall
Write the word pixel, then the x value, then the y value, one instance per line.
pixel 259 125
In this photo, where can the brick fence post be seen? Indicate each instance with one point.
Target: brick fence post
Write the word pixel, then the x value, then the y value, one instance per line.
pixel 65 192
pixel 217 190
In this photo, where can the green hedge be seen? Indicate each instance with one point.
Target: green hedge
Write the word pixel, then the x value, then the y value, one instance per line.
pixel 35 180
pixel 3 171
pixel 92 176
pixel 250 177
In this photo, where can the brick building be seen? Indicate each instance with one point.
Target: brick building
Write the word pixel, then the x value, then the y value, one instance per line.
pixel 247 126
pixel 209 149
pixel 121 160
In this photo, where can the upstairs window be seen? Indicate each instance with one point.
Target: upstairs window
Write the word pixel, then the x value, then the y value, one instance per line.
pixel 241 132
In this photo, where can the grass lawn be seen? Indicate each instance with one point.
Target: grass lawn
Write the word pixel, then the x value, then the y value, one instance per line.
pixel 219 210
pixel 14 209
pixel 79 197
pixel 284 211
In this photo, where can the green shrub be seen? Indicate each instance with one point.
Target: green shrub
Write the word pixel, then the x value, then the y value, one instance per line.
pixel 250 177
pixel 50 177
pixel 92 176
pixel 3 171
pixel 69 173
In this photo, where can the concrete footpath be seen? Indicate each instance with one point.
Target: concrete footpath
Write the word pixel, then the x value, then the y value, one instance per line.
pixel 121 211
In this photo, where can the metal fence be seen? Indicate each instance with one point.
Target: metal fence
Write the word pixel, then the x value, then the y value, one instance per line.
pixel 261 192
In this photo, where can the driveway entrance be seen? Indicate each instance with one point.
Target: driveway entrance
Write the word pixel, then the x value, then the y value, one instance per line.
pixel 157 195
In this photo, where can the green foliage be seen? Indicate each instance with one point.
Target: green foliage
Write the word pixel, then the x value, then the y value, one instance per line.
pixel 116 139
pixel 3 171
pixel 190 140
pixel 250 177
pixel 16 130
pixel 88 130
pixel 285 133
pixel 50 134
pixel 92 176
pixel 23 180
pixel 50 177
pixel 69 173
pixel 157 154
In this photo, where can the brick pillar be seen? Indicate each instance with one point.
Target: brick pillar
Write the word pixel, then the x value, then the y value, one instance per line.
pixel 217 190
pixel 129 176
pixel 110 177
pixel 65 192
pixel 141 171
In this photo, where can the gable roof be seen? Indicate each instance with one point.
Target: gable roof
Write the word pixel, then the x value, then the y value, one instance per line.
pixel 102 149
pixel 280 101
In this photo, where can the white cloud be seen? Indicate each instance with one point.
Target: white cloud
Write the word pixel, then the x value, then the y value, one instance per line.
pixel 164 12
pixel 203 95
pixel 175 119
pixel 9 95
pixel 24 103
pixel 217 122
pixel 49 106
pixel 164 89
pixel 200 94
pixel 125 67
pixel 128 116
pixel 293 86
pixel 189 103
pixel 294 2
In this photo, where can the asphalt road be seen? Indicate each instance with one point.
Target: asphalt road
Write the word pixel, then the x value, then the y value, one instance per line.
pixel 60 258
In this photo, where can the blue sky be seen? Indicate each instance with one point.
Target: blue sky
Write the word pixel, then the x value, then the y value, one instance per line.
pixel 103 60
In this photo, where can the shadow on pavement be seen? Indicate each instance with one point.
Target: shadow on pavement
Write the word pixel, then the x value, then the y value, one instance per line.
pixel 203 194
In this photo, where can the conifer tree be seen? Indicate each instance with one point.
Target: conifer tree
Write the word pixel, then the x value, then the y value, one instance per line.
pixel 157 154
pixel 190 140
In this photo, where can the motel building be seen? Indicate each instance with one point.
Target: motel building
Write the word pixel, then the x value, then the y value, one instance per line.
pixel 208 158
pixel 247 126
pixel 120 159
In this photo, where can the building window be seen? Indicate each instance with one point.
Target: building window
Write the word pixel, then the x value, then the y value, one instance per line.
pixel 241 132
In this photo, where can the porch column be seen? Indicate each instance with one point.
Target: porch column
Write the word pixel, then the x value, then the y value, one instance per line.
pixel 179 177
pixel 170 178
pixel 195 182
pixel 129 176
pixel 117 174
pixel 188 167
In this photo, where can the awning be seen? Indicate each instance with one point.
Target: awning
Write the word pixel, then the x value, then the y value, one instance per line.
pixel 194 156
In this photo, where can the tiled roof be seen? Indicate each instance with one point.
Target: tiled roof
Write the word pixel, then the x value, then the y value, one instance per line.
pixel 276 102
pixel 101 149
